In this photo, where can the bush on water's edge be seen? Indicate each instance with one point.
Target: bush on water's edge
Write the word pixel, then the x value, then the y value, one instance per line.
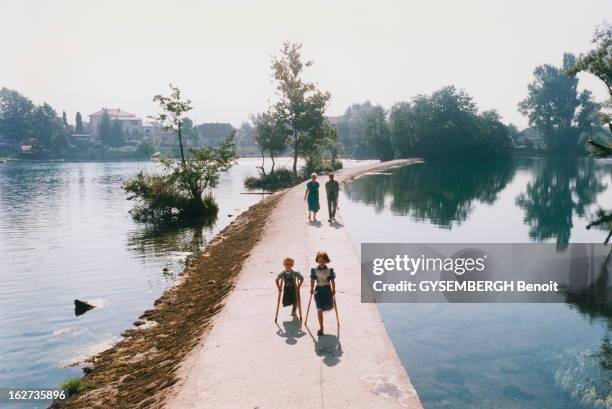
pixel 74 385
pixel 283 178
pixel 279 179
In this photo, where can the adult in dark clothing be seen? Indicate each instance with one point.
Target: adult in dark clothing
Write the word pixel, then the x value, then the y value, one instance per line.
pixel 332 188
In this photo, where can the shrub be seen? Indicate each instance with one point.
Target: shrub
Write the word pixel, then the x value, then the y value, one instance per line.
pixel 74 385
pixel 321 166
pixel 181 192
pixel 279 179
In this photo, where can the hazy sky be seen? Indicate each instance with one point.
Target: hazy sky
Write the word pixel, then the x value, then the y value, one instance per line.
pixel 83 55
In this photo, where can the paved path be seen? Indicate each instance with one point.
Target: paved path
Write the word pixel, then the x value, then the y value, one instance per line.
pixel 247 361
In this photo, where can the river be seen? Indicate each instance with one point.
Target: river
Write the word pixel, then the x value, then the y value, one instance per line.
pixel 539 356
pixel 65 233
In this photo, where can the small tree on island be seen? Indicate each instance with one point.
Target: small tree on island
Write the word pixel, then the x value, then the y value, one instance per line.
pixel 182 191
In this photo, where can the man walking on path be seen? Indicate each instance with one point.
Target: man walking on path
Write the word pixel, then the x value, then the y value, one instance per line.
pixel 332 188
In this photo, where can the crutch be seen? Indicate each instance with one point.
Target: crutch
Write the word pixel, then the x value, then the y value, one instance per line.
pixel 280 293
pixel 297 297
pixel 336 309
pixel 308 309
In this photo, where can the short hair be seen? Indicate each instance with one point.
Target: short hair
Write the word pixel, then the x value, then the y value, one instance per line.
pixel 313 174
pixel 323 256
pixel 288 260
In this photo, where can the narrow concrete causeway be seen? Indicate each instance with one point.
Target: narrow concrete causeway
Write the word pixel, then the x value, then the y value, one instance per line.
pixel 247 361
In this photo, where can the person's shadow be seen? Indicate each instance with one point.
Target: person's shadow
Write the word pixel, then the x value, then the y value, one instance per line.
pixel 336 225
pixel 314 223
pixel 291 331
pixel 328 346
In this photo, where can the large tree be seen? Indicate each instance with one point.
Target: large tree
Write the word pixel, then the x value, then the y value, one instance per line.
pixel 301 104
pixel 352 130
pixel 376 133
pixel 117 135
pixel 105 129
pixel 447 124
pixel 78 123
pixel 15 116
pixel 598 62
pixel 46 125
pixel 553 107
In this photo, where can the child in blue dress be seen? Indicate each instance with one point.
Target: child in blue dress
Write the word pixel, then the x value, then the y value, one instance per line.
pixel 290 282
pixel 324 293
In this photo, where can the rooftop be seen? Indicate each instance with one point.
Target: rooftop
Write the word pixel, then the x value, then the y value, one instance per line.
pixel 114 113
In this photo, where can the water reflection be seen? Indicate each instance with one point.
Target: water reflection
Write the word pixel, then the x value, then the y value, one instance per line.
pixel 442 194
pixel 514 355
pixel 562 187
pixel 65 233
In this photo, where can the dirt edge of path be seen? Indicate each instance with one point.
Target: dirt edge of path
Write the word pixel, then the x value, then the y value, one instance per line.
pixel 138 370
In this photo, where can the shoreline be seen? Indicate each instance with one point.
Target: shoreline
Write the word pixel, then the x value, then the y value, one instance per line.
pixel 137 370
pixel 148 364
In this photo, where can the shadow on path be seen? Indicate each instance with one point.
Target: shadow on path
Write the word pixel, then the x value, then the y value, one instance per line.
pixel 291 331
pixel 328 346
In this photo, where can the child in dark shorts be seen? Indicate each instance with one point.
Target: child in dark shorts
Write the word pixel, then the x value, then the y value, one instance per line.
pixel 325 290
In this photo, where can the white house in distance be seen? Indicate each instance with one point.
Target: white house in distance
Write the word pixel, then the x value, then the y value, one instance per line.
pixel 130 123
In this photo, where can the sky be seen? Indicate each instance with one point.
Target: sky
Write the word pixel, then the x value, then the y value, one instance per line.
pixel 84 55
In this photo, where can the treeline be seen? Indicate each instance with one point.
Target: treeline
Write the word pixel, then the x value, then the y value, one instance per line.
pixel 446 124
pixel 39 132
pixel 21 120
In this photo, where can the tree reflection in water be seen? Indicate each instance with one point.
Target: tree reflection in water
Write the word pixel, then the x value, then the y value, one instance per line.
pixel 561 188
pixel 441 193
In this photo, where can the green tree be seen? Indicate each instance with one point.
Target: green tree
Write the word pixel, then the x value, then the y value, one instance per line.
pixel 15 116
pixel 553 104
pixel 271 135
pixel 376 133
pixel 598 62
pixel 46 126
pixel 64 118
pixel 117 136
pixel 105 129
pixel 446 125
pixel 301 105
pixel 352 131
pixel 173 109
pixel 78 120
pixel 401 128
pixel 323 139
pixel 178 193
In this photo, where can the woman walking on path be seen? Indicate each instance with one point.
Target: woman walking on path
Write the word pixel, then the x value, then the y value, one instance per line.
pixel 312 196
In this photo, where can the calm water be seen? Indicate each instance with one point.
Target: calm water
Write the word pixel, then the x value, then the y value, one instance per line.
pixel 493 355
pixel 65 233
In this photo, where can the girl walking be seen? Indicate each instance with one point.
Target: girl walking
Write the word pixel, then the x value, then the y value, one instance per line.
pixel 325 290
